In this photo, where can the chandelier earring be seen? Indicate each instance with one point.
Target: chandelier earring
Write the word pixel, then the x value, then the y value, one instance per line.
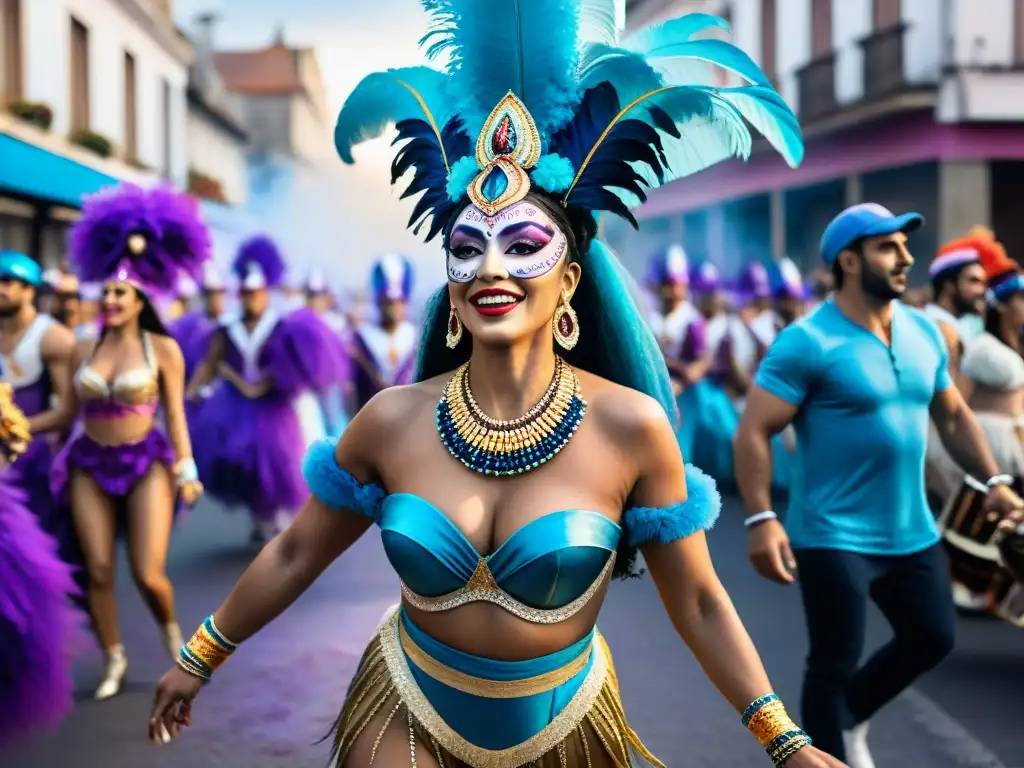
pixel 565 325
pixel 454 335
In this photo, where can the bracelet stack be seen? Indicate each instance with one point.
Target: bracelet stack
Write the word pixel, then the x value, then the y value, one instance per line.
pixel 781 738
pixel 186 471
pixel 206 651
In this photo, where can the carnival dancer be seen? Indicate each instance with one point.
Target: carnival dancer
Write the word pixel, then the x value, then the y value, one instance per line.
pixel 787 300
pixel 194 330
pixel 994 366
pixel 958 292
pixel 320 300
pixel 35 354
pixel 522 268
pixel 136 242
pixel 859 379
pixel 249 438
pixel 958 288
pixel 668 278
pixel 706 401
pixel 39 628
pixel 384 353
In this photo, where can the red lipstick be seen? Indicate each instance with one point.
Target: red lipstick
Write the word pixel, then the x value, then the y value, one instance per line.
pixel 493 302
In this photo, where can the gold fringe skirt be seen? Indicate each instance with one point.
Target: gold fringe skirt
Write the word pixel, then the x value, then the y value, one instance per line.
pixel 385 691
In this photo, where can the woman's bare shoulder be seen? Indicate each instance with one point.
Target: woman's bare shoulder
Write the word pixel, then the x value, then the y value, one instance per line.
pixel 626 415
pixel 397 406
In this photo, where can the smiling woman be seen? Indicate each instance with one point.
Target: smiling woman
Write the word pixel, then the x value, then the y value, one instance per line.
pixel 535 453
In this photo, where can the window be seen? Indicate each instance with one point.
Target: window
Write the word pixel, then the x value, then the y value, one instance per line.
pixel 10 50
pixel 166 129
pixel 1018 32
pixel 821 28
pixel 131 145
pixel 79 76
pixel 885 14
pixel 768 38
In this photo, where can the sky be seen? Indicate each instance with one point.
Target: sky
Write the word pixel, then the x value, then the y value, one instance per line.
pixel 355 215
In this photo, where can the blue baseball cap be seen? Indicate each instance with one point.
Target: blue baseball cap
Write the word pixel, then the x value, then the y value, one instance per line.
pixel 18 266
pixel 863 220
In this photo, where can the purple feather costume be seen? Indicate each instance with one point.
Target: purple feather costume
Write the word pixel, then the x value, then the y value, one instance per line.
pixel 149 239
pixel 38 625
pixel 250 450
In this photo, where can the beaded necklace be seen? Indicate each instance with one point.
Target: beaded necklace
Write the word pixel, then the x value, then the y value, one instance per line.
pixel 513 447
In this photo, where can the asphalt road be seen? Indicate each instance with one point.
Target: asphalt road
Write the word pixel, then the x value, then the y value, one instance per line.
pixel 278 696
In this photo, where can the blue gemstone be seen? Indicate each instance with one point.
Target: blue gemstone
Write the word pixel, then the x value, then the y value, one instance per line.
pixel 495 184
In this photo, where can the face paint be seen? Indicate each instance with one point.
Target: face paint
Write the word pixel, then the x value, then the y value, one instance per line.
pixel 528 242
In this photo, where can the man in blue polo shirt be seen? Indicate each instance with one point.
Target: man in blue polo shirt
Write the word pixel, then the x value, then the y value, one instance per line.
pixel 859 378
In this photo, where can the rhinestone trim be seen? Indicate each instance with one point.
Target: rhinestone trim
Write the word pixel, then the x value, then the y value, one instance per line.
pixel 471 593
pixel 528 751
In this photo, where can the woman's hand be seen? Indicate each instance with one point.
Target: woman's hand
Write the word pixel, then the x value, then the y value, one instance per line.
pixel 811 757
pixel 769 552
pixel 191 491
pixel 172 705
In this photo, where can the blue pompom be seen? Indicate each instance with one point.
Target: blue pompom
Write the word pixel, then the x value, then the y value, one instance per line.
pixel 335 487
pixel 663 525
pixel 553 173
pixel 461 176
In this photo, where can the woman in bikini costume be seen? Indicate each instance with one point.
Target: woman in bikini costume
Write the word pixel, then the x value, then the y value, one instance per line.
pixel 542 410
pixel 39 627
pixel 118 462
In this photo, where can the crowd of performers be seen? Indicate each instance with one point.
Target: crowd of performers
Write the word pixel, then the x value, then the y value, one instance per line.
pixel 143 378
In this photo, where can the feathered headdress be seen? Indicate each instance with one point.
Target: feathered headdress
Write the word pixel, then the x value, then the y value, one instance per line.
pixel 705 277
pixel 541 93
pixel 1003 273
pixel 668 266
pixel 259 264
pixel 146 237
pixel 392 277
pixel 787 282
pixel 754 282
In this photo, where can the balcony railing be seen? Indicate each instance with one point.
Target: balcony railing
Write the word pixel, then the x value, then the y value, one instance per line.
pixel 817 85
pixel 883 61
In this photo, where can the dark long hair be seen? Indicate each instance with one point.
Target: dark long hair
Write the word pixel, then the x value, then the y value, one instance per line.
pixel 616 342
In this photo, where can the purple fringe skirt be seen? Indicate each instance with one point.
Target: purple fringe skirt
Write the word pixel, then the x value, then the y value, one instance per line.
pixel 39 629
pixel 115 468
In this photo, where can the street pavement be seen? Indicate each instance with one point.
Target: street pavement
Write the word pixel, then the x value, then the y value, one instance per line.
pixel 270 705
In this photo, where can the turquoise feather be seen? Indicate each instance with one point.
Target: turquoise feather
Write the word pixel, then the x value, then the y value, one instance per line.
pixel 528 47
pixel 381 100
pixel 673 30
pixel 598 22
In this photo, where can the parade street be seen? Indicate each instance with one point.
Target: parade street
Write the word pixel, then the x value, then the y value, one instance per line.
pixel 271 704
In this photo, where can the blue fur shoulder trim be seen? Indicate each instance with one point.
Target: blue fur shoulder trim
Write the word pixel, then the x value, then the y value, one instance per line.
pixel 335 487
pixel 645 525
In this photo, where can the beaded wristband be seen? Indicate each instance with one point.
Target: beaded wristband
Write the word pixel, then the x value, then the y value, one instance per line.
pixel 206 651
pixel 767 720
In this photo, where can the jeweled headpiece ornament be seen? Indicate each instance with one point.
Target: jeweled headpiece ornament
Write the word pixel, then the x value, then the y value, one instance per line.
pixel 542 94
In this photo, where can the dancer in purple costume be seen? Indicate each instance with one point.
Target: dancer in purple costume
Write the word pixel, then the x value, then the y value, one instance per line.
pixel 668 278
pixel 788 296
pixel 137 243
pixel 249 439
pixel 35 353
pixel 195 329
pixel 384 353
pixel 38 626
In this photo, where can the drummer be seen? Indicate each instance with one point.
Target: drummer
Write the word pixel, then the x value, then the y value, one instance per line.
pixel 993 364
pixel 859 379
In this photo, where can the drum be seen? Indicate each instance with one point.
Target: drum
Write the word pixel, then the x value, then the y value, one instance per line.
pixel 974 545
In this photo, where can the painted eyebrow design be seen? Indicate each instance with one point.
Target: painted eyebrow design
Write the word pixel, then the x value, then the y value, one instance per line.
pixel 465 229
pixel 515 229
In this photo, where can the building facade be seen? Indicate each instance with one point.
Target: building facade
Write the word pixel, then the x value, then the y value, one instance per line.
pixel 94 91
pixel 915 104
pixel 217 140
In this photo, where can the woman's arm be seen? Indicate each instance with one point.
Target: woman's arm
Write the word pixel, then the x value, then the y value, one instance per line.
pixel 58 349
pixel 694 598
pixel 293 560
pixel 668 522
pixel 172 380
pixel 207 369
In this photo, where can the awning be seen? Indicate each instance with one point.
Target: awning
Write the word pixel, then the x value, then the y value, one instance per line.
pixel 29 170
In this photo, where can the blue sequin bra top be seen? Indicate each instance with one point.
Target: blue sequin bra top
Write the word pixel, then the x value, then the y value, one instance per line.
pixel 545 572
